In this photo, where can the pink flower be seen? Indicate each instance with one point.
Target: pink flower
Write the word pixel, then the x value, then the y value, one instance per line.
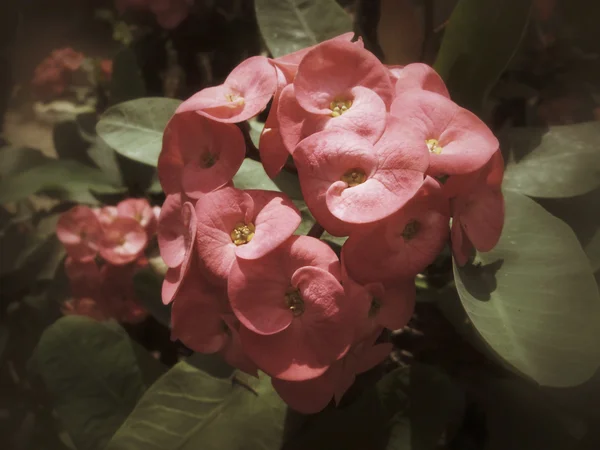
pixel 83 307
pixel 84 278
pixel 124 241
pixel 338 85
pixel 419 76
pixel 80 232
pixel 320 332
pixel 199 155
pixel 106 214
pixel 383 306
pixel 311 396
pixel 118 299
pixel 269 277
pixel 243 224
pixel 140 210
pixel 403 244
pixel 245 93
pixel 458 142
pixel 478 212
pixel 357 181
pixel 202 320
pixel 177 226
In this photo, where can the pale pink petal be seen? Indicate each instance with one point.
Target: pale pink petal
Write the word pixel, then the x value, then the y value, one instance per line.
pixel 332 69
pixel 233 353
pixel 218 213
pixel 80 232
pixel 419 76
pixel 466 143
pixel 482 218
pixel 275 218
pixel 245 93
pixel 177 226
pixel 124 240
pixel 140 210
pixel 306 397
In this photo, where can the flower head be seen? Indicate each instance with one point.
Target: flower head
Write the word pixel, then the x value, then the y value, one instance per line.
pixel 123 241
pixel 245 93
pixel 244 224
pixel 419 76
pixel 140 210
pixel 80 232
pixel 199 155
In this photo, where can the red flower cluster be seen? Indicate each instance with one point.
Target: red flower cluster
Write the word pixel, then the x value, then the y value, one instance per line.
pixel 169 13
pixel 383 156
pixel 53 74
pixel 119 235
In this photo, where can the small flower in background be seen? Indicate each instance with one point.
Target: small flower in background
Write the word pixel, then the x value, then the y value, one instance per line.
pixel 54 74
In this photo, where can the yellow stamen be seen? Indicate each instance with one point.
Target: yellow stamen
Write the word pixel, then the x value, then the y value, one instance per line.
pixel 410 230
pixel 434 146
pixel 235 99
pixel 354 177
pixel 294 302
pixel 339 107
pixel 242 233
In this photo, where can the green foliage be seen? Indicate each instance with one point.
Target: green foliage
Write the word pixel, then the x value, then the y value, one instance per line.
pixel 14 160
pixel 127 82
pixel 135 128
pixel 188 409
pixel 68 180
pixel 91 370
pixel 479 42
pixel 563 161
pixel 291 25
pixel 533 298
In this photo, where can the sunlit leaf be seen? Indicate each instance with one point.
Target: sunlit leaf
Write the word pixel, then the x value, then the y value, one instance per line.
pixel 562 161
pixel 189 409
pixel 290 25
pixel 534 299
pixel 135 128
pixel 92 372
pixel 481 38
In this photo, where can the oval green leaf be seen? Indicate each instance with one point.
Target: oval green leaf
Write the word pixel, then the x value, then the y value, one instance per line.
pixel 291 25
pixel 91 370
pixel 135 128
pixel 533 298
pixel 481 38
pixel 562 161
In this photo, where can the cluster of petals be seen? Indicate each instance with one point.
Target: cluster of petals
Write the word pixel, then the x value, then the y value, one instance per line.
pixel 384 157
pixel 53 75
pixel 105 246
pixel 169 13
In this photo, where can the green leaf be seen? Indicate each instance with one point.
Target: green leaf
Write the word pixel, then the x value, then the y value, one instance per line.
pixel 71 180
pixel 148 291
pixel 290 25
pixel 135 128
pixel 105 159
pixel 92 373
pixel 563 161
pixel 188 409
pixel 127 82
pixel 70 143
pixel 481 38
pixel 533 298
pixel 14 160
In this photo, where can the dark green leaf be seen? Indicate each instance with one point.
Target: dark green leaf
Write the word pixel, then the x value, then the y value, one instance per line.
pixel 563 161
pixel 70 179
pixel 14 160
pixel 290 25
pixel 127 82
pixel 70 143
pixel 92 372
pixel 105 159
pixel 479 42
pixel 188 409
pixel 135 128
pixel 148 291
pixel 534 299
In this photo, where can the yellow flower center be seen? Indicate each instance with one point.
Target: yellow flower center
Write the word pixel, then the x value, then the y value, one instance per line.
pixel 410 230
pixel 375 307
pixel 434 146
pixel 234 99
pixel 294 302
pixel 242 233
pixel 354 177
pixel 339 107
